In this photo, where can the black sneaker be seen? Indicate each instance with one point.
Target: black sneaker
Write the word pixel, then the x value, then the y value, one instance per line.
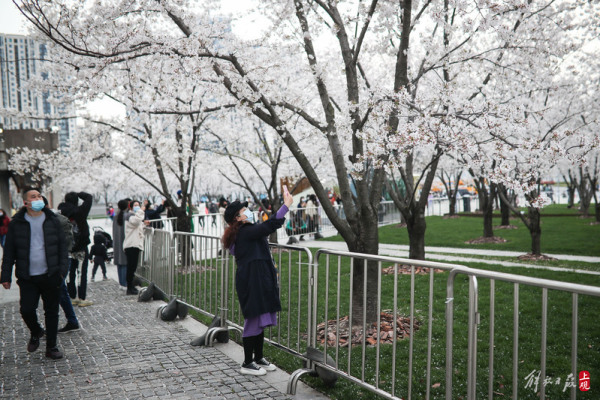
pixel 263 363
pixel 34 341
pixel 252 369
pixel 132 291
pixel 54 353
pixel 69 327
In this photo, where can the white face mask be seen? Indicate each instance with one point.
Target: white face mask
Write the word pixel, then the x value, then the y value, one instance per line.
pixel 1 214
pixel 249 216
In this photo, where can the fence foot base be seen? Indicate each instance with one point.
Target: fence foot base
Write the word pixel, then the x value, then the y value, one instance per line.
pixel 294 377
pixel 218 332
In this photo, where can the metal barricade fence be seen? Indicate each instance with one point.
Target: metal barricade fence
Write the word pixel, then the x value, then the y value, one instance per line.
pixel 202 224
pixel 156 262
pixel 380 362
pixel 505 322
pixel 317 302
pixel 298 224
pixel 199 272
pixel 203 277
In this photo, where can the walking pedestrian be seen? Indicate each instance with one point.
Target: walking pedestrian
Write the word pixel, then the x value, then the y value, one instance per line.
pixel 256 277
pixel 78 214
pixel 214 210
pixel 110 211
pixel 134 241
pixel 99 252
pixel 4 221
pixel 65 300
pixel 35 243
pixel 120 258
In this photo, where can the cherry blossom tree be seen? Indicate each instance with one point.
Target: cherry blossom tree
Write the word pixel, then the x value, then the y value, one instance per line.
pixel 449 174
pixel 384 87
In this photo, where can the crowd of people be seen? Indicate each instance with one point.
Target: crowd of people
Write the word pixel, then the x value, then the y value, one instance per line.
pixel 49 253
pixel 50 256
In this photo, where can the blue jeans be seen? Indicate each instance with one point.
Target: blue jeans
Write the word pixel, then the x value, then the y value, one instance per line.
pixel 122 272
pixel 66 305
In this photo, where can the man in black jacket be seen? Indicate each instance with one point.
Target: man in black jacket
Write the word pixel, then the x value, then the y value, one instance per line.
pixel 36 243
pixel 81 238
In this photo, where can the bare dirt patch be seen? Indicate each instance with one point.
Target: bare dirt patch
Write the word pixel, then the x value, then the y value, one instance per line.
pixel 406 270
pixel 506 227
pixel 480 240
pixel 451 216
pixel 386 334
pixel 195 269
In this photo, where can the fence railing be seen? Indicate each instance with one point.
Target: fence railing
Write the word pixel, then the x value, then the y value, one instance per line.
pixel 433 317
pixel 300 224
pixel 338 275
pixel 537 291
pixel 194 269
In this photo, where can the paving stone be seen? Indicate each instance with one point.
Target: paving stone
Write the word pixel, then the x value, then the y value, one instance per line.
pixel 121 351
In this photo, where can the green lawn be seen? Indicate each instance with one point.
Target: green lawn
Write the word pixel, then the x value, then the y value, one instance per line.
pixel 293 325
pixel 560 235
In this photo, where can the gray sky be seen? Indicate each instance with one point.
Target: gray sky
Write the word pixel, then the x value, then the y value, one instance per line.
pixel 11 20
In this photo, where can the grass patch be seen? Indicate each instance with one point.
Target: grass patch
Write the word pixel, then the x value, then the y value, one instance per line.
pixel 560 235
pixel 573 265
pixel 293 325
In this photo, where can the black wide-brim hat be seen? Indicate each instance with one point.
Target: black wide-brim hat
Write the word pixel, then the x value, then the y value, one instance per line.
pixel 233 209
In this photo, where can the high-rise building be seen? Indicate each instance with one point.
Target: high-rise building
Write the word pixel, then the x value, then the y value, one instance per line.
pixel 21 59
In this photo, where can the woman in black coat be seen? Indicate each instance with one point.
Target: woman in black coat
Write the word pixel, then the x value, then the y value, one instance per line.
pixel 256 278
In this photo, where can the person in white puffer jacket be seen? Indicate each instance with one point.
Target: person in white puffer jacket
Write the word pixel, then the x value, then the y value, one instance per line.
pixel 134 241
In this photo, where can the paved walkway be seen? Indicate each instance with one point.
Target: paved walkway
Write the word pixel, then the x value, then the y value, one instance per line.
pixel 455 255
pixel 124 352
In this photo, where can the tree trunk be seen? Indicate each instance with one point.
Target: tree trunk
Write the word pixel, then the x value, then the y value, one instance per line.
pixel 488 210
pixel 416 227
pixel 535 231
pixel 488 217
pixel 585 199
pixel 452 204
pixel 571 196
pixel 504 208
pixel 368 243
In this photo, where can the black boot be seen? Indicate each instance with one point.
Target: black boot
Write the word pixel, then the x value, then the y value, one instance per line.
pixel 132 290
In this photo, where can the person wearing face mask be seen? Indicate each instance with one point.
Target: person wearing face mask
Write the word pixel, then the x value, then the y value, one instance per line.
pixel 134 241
pixel 256 278
pixel 4 220
pixel 35 243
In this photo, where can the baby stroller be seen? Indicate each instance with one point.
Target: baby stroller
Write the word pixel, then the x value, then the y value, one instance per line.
pixel 100 235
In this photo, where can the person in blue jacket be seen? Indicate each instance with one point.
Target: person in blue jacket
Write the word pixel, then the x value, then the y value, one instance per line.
pixel 256 278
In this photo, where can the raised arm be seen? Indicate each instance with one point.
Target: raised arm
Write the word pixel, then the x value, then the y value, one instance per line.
pixel 137 218
pixel 86 206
